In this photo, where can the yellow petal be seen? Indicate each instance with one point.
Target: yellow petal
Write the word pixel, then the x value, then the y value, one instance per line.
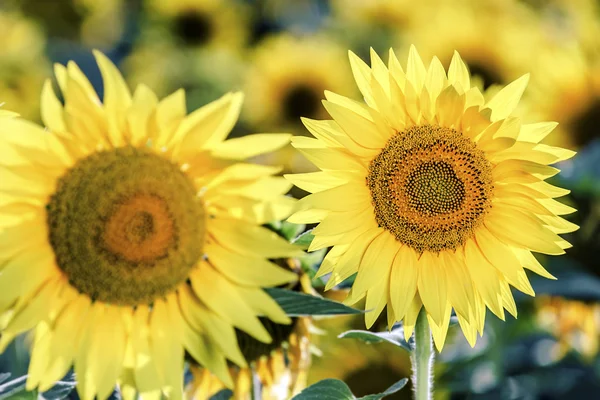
pixel 432 286
pixel 403 281
pixel 250 239
pixel 247 270
pixel 376 262
pixel 250 145
pixel 507 99
pixel 208 125
pixel 222 297
pixel 458 72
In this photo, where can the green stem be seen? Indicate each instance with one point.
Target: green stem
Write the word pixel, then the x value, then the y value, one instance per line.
pixel 422 359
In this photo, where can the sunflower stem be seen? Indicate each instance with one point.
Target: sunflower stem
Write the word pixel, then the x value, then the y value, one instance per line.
pixel 422 359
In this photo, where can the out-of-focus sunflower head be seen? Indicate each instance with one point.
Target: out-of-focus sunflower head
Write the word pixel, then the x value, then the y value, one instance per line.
pixel 570 21
pixel 281 366
pixel 565 87
pixel 23 66
pixel 493 38
pixel 287 79
pixel 193 71
pixel 198 24
pixel 95 23
pixel 391 14
pixel 364 367
pixel 576 324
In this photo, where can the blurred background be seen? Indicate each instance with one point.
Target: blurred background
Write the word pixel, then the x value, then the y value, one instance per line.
pixel 283 54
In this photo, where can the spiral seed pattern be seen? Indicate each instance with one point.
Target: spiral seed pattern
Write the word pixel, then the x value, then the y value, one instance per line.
pixel 431 187
pixel 126 226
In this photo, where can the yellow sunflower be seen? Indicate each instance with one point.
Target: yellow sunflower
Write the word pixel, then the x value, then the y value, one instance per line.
pixel 281 366
pixel 95 23
pixel 576 324
pixel 469 27
pixel 566 88
pixel 432 195
pixel 126 232
pixel 287 77
pixel 175 68
pixel 198 24
pixel 23 65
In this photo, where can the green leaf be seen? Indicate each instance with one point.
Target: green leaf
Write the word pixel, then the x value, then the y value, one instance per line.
pixel 291 231
pixel 334 389
pixel 4 377
pixel 300 304
pixel 224 394
pixel 304 240
pixel 61 389
pixel 15 389
pixel 396 387
pixel 327 389
pixel 395 337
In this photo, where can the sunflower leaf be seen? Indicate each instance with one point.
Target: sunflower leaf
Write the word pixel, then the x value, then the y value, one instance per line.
pixel 395 337
pixel 327 389
pixel 334 389
pixel 61 389
pixel 15 389
pixel 300 304
pixel 391 390
pixel 291 231
pixel 304 240
pixel 224 394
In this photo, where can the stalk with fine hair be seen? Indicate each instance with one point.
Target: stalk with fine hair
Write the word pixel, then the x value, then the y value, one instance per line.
pixel 422 359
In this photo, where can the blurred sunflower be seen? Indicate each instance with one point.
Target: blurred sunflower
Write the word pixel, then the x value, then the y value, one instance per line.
pixel 365 368
pixel 566 88
pixel 281 366
pixel 287 77
pixel 95 23
pixel 195 72
pixel 576 324
pixel 469 27
pixel 376 23
pixel 198 24
pixel 125 227
pixel 23 65
pixel 432 195
pixel 570 22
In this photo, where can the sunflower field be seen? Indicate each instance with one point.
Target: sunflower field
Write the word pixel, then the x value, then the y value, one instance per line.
pixel 299 199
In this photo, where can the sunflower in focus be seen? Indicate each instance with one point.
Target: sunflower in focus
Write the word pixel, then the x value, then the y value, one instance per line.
pixel 280 366
pixel 433 195
pixel 23 65
pixel 576 324
pixel 125 230
pixel 470 27
pixel 198 24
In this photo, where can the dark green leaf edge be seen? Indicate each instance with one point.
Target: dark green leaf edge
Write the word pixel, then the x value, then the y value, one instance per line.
pixel 300 304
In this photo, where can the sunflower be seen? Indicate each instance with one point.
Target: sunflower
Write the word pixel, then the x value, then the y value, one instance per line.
pixel 195 24
pixel 126 229
pixel 470 27
pixel 95 23
pixel 175 68
pixel 432 195
pixel 287 77
pixel 23 65
pixel 575 323
pixel 366 368
pixel 281 366
pixel 568 92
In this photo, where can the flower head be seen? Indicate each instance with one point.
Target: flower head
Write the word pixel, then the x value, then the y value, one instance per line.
pixel 127 230
pixel 432 195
